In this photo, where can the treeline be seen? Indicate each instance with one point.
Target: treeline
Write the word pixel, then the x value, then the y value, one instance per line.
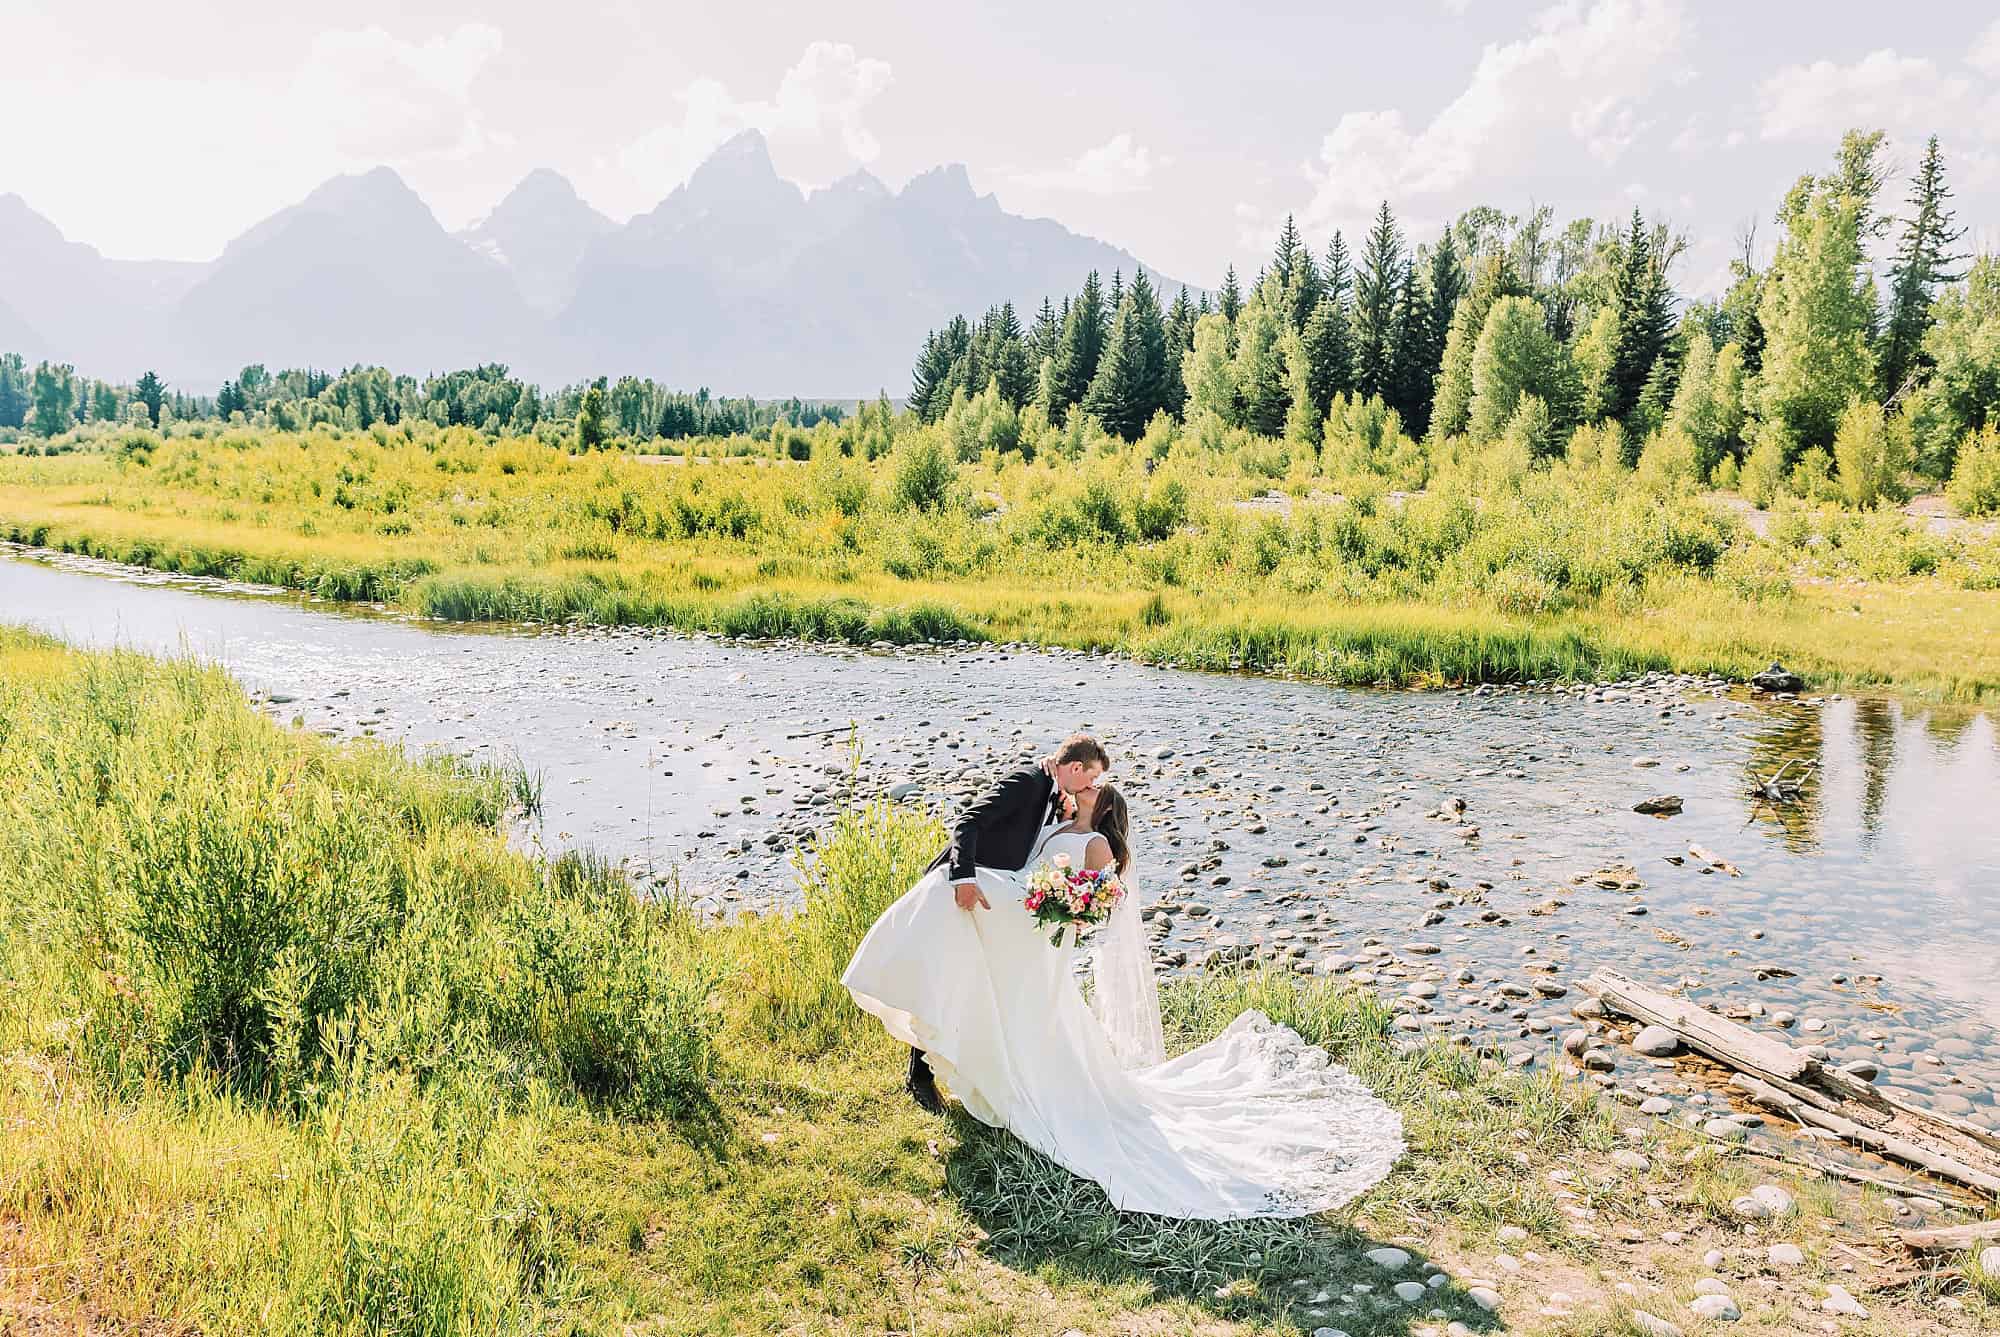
pixel 1522 330
pixel 51 398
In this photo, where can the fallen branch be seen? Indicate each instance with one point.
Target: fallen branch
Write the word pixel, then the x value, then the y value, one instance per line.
pixel 1945 1239
pixel 1874 1139
pixel 1788 1080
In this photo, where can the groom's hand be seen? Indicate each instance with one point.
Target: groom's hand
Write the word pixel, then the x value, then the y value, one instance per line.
pixel 967 894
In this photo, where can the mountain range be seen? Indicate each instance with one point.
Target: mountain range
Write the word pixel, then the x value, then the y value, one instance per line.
pixel 738 280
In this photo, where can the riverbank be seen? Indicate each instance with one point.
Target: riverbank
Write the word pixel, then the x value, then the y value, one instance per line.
pixel 318 1053
pixel 1575 576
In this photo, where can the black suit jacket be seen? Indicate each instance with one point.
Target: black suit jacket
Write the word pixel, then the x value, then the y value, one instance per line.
pixel 999 829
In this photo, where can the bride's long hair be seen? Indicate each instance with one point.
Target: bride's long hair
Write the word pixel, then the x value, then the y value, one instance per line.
pixel 1113 820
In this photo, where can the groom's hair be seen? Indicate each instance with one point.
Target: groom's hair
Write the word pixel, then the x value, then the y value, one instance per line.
pixel 1082 747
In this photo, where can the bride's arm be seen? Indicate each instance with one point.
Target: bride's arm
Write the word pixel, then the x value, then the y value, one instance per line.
pixel 1097 854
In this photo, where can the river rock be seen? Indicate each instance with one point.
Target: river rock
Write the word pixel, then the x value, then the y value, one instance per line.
pixel 1777 678
pixel 1715 1308
pixel 1776 1201
pixel 1838 1301
pixel 1387 1258
pixel 1653 1326
pixel 1485 1297
pixel 1989 1261
pixel 1786 1255
pixel 1411 1292
pixel 1656 1042
pixel 1661 805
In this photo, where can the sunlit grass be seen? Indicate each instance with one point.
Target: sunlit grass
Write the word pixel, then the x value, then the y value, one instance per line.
pixel 1571 573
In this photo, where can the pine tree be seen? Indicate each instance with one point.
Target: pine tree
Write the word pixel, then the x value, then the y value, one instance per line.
pixel 1410 370
pixel 1447 285
pixel 929 391
pixel 1921 262
pixel 1376 289
pixel 1297 277
pixel 1076 356
pixel 1337 274
pixel 1285 259
pixel 1230 300
pixel 1181 317
pixel 1329 357
pixel 1149 389
pixel 1046 334
pixel 1645 315
pixel 1111 398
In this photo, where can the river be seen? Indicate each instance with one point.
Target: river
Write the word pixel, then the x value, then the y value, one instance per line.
pixel 1302 823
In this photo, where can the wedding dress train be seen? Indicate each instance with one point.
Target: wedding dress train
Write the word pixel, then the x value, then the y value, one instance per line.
pixel 1255 1123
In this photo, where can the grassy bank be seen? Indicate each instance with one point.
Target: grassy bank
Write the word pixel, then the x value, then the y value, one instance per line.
pixel 292 1042
pixel 1574 571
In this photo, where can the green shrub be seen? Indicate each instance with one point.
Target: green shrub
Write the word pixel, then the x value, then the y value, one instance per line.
pixel 1974 488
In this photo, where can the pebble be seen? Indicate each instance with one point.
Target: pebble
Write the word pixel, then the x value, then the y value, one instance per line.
pixel 1389 1259
pixel 1485 1297
pixel 1512 1235
pixel 1989 1262
pixel 1631 1160
pixel 1786 1255
pixel 1727 1129
pixel 1712 1260
pixel 1411 1292
pixel 1838 1301
pixel 1653 1326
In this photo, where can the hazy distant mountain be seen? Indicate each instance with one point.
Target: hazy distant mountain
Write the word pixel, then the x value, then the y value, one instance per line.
pixel 17 336
pixel 738 280
pixel 358 271
pixel 538 233
pixel 71 303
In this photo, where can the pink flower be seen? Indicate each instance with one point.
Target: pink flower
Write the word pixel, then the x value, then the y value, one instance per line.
pixel 1060 861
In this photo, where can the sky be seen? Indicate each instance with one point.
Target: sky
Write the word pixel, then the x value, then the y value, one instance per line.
pixel 1182 132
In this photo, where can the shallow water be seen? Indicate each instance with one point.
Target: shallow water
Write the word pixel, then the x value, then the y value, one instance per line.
pixel 700 763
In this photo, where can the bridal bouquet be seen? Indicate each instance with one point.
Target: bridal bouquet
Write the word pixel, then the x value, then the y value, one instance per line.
pixel 1061 895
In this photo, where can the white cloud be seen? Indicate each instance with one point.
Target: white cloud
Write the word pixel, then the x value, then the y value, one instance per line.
pixel 388 100
pixel 1985 53
pixel 816 118
pixel 1118 166
pixel 345 101
pixel 1884 88
pixel 1580 79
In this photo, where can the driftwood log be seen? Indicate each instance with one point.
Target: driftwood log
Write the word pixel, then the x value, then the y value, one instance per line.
pixel 1791 1082
pixel 1948 1239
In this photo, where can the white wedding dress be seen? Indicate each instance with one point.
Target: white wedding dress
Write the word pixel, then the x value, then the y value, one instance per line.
pixel 1255 1123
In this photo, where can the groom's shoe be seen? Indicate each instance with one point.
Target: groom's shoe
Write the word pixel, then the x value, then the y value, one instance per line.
pixel 922 1084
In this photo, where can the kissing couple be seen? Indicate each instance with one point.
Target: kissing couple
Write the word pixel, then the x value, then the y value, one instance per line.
pixel 1253 1123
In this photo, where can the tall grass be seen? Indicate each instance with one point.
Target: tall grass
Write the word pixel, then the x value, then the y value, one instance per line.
pixel 292 1042
pixel 286 1017
pixel 1575 569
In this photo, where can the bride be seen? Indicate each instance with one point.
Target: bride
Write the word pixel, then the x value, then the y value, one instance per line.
pixel 1255 1123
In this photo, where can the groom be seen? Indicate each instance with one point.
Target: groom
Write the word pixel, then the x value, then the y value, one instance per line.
pixel 1000 830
